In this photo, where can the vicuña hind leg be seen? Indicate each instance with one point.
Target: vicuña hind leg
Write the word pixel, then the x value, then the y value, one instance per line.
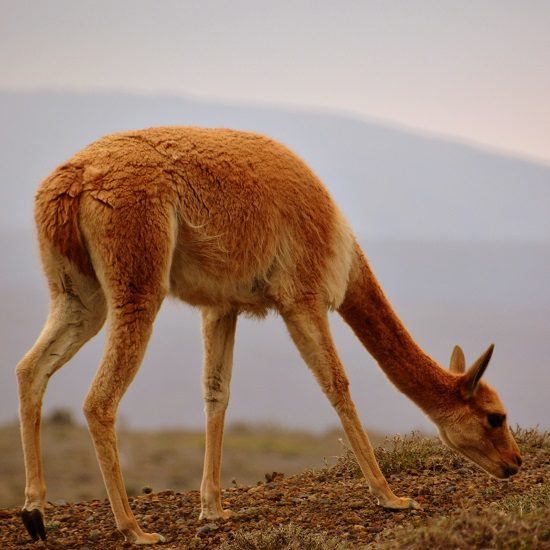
pixel 70 324
pixel 309 329
pixel 129 331
pixel 218 331
pixel 131 249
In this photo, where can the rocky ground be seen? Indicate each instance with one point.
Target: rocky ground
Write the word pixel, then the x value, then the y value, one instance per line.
pixel 332 508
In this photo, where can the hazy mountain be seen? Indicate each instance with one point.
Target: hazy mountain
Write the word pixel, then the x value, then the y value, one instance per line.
pixel 390 183
pixel 459 237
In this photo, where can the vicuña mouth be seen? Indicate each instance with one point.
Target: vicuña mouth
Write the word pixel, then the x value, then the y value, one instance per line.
pixel 509 471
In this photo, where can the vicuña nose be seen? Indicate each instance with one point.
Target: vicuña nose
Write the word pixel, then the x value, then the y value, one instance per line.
pixel 510 471
pixel 518 460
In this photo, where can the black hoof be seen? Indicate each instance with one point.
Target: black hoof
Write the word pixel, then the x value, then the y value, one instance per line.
pixel 34 522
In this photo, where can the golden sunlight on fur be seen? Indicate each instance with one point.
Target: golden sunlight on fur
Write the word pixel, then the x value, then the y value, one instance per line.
pixel 229 222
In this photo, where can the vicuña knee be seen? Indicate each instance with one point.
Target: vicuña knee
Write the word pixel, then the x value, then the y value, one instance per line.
pixel 97 411
pixel 216 402
pixel 216 394
pixel 23 371
pixel 26 376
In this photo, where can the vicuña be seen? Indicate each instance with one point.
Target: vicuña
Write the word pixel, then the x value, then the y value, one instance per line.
pixel 229 222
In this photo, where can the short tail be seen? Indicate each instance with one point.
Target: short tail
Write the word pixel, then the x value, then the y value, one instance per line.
pixel 56 213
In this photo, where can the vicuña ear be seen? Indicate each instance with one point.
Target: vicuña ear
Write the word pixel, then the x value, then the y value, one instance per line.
pixel 458 362
pixel 475 372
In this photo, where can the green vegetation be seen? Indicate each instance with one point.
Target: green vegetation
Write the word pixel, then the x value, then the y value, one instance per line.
pixel 515 522
pixel 398 454
pixel 466 530
pixel 532 439
pixel 534 501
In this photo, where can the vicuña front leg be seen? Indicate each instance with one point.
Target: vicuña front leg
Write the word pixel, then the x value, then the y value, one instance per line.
pixel 365 457
pixel 218 331
pixel 309 329
pixel 127 338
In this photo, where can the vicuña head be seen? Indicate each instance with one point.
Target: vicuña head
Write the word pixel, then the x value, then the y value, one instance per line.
pixel 229 222
pixel 475 424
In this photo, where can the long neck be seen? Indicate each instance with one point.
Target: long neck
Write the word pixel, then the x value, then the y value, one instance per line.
pixel 369 313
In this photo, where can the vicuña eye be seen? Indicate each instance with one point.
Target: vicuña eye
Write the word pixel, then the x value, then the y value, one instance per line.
pixel 496 420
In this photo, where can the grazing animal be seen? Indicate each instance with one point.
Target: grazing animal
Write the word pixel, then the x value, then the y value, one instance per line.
pixel 229 222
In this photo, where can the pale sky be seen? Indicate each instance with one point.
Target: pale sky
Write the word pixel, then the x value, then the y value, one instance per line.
pixel 477 71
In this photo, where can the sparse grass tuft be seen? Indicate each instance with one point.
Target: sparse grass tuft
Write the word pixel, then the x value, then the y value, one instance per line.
pixel 415 452
pixel 466 530
pixel 531 439
pixel 346 465
pixel 286 537
pixel 534 500
pixel 399 454
pixel 517 521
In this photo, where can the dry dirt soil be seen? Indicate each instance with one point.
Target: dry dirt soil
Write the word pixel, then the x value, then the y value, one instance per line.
pixel 331 507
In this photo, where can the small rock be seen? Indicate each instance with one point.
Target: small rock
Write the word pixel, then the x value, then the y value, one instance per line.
pixel 251 512
pixel 208 528
pixel 146 490
pixel 95 534
pixel 269 477
pixel 276 495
